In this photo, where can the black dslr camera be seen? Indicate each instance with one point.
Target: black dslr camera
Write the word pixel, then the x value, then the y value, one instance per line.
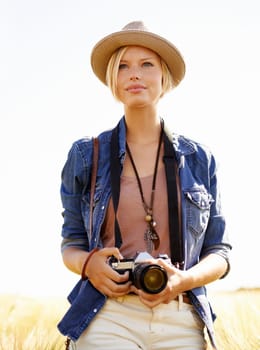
pixel 151 278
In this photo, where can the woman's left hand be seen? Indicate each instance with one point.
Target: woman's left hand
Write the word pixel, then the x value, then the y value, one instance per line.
pixel 177 283
pixel 209 269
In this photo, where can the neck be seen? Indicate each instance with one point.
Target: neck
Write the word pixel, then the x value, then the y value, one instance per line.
pixel 142 128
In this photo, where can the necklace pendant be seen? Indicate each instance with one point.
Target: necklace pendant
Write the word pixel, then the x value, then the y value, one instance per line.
pixel 149 247
pixel 149 241
pixel 152 238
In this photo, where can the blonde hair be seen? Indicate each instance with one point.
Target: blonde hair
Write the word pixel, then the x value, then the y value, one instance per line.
pixel 113 67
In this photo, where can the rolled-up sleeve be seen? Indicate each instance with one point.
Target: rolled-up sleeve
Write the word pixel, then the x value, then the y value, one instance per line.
pixel 216 238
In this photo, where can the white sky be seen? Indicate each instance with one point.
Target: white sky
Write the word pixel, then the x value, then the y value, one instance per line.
pixel 50 98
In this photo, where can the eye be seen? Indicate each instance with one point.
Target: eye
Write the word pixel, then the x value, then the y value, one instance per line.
pixel 147 64
pixel 122 66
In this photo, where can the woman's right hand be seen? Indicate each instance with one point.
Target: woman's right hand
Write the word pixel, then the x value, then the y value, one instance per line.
pixel 102 276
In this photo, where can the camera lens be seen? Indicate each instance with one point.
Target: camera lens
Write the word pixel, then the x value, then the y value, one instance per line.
pixel 151 278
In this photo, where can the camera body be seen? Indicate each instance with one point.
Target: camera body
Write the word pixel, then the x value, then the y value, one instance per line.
pixel 151 278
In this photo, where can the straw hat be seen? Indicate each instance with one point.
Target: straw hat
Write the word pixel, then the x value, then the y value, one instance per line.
pixel 135 33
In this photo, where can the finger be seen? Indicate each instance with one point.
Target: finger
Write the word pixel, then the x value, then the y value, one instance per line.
pixel 134 290
pixel 113 290
pixel 118 277
pixel 112 251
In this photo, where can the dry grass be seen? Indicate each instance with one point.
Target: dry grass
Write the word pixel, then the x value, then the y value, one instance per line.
pixel 30 324
pixel 238 322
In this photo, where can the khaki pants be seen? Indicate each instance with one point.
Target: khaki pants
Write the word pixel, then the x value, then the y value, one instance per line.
pixel 126 324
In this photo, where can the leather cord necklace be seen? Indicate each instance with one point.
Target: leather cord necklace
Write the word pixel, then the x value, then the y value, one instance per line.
pixel 150 236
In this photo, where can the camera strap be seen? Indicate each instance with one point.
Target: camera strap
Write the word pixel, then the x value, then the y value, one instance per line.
pixel 173 193
pixel 174 202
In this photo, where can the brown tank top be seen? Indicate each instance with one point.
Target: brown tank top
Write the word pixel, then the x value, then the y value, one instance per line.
pixel 131 216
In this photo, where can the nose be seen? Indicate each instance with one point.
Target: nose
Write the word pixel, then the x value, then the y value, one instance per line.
pixel 134 74
pixel 134 77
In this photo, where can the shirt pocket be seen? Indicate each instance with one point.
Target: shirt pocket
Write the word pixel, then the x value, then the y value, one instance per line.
pixel 198 203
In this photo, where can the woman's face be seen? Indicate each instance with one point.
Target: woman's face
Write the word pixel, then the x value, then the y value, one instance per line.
pixel 139 81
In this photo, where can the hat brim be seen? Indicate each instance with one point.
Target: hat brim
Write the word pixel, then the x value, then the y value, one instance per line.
pixel 104 49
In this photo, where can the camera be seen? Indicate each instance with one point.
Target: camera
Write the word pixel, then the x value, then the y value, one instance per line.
pixel 151 278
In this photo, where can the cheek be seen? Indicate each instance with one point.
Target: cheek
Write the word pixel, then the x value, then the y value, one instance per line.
pixel 121 76
pixel 158 86
pixel 156 79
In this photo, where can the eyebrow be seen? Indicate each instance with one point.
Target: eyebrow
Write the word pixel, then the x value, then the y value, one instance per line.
pixel 141 59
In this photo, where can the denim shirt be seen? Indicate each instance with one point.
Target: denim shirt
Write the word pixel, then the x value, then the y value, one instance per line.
pixel 203 225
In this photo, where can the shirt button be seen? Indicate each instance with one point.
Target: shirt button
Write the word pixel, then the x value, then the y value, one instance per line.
pixel 95 310
pixel 103 207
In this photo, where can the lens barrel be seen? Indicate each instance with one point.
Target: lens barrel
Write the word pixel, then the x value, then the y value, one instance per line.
pixel 151 278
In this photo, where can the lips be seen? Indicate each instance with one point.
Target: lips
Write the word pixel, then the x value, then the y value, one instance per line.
pixel 135 88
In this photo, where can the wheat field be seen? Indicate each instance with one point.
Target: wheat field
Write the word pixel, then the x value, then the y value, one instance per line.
pixel 30 323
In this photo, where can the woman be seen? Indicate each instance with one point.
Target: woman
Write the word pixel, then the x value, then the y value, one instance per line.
pixel 156 193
